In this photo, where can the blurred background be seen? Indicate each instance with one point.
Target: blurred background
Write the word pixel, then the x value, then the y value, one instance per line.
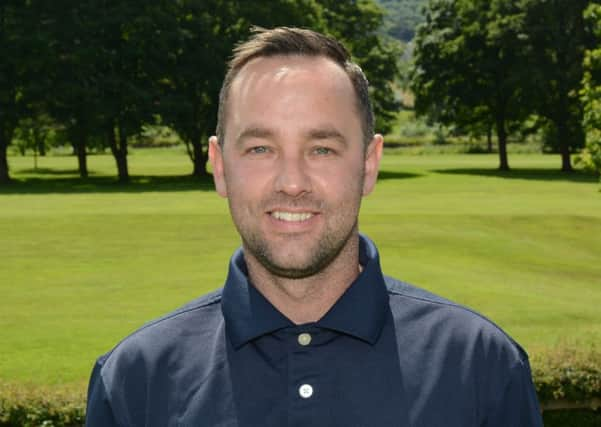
pixel 489 192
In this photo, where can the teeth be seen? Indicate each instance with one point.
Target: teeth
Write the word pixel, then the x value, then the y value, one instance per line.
pixel 291 216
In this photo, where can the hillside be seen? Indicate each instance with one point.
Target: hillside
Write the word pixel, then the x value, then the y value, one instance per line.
pixel 402 17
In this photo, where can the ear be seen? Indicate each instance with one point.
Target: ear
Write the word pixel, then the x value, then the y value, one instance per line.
pixel 373 155
pixel 216 159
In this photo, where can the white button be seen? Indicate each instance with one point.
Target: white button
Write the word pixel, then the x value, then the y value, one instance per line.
pixel 305 391
pixel 304 339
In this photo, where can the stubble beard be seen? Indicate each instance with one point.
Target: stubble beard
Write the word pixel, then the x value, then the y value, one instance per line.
pixel 326 250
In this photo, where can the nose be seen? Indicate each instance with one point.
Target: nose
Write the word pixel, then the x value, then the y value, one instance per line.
pixel 292 176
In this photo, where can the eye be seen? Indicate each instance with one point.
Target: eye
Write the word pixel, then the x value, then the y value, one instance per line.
pixel 322 151
pixel 260 149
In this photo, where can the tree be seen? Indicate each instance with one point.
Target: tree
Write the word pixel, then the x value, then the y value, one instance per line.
pixel 12 108
pixel 203 36
pixel 132 58
pixel 33 133
pixel 469 57
pixel 591 95
pixel 356 24
pixel 206 32
pixel 72 92
pixel 402 17
pixel 558 37
pixel 25 70
pixel 189 87
pixel 105 69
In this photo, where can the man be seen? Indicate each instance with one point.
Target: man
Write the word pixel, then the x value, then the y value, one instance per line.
pixel 307 331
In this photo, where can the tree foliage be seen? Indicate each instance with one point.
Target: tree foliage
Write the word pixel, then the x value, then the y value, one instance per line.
pixel 73 86
pixel 202 36
pixel 591 94
pixel 104 70
pixel 402 17
pixel 498 62
pixel 12 75
pixel 356 24
pixel 558 37
pixel 467 66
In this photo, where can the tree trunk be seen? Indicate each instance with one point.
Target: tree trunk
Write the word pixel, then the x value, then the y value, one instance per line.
pixel 489 138
pixel 5 139
pixel 41 148
pixel 199 160
pixel 119 151
pixel 82 155
pixel 564 86
pixel 122 169
pixel 564 136
pixel 502 136
pixel 122 157
pixel 39 139
pixel 4 176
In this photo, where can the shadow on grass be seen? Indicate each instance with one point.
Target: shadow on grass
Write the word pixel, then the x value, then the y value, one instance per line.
pixel 137 184
pixel 107 184
pixel 384 175
pixel 48 171
pixel 529 174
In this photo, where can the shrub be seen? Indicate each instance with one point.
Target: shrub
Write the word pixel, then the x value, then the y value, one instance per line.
pixel 568 374
pixel 28 406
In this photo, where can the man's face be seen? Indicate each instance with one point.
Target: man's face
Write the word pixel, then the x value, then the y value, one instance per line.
pixel 293 165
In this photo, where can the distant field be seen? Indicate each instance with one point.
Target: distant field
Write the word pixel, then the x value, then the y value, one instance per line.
pixel 82 265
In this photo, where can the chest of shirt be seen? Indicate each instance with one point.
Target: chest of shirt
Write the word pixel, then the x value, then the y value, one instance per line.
pixel 315 377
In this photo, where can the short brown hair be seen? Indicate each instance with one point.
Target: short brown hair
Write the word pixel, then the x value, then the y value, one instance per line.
pixel 296 41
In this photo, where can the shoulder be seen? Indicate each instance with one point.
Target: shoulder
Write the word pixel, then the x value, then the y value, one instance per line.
pixel 206 307
pixel 446 321
pixel 196 322
pixel 453 355
pixel 152 368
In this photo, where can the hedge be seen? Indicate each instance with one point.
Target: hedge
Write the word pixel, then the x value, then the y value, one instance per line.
pixel 568 377
pixel 31 406
pixel 568 384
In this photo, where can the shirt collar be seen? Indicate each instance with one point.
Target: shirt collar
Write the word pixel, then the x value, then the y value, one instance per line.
pixel 359 312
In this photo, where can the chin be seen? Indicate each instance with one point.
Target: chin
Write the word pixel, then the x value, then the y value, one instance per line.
pixel 297 264
pixel 292 271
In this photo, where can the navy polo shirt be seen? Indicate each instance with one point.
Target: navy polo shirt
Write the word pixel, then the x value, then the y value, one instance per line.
pixel 386 354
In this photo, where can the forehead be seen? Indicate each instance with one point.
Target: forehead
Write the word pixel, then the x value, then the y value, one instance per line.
pixel 291 86
pixel 282 73
pixel 299 66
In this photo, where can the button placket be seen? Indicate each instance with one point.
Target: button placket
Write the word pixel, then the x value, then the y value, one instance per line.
pixel 304 380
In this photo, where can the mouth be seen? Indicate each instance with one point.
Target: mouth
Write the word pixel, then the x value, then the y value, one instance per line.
pixel 291 216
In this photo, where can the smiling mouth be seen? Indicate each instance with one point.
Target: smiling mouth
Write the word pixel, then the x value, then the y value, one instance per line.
pixel 291 216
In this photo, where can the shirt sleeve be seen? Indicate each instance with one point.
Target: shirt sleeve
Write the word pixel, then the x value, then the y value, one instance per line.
pixel 517 405
pixel 99 412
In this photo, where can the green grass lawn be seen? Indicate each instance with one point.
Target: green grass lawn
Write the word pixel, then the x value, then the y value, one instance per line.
pixel 84 264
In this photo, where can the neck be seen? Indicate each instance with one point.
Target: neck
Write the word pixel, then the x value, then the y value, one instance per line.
pixel 308 299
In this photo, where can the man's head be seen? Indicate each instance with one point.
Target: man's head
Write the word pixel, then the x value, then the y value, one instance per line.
pixel 293 164
pixel 286 41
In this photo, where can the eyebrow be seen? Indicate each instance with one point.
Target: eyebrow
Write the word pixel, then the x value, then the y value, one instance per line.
pixel 320 133
pixel 254 132
pixel 326 133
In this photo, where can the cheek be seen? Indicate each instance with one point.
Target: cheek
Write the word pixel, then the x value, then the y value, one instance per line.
pixel 343 181
pixel 240 175
pixel 246 185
